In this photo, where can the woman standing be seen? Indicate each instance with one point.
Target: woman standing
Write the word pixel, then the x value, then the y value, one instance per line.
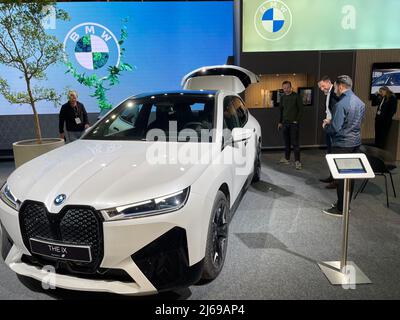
pixel 386 102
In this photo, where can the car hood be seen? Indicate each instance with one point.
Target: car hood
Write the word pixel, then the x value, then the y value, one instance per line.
pixel 105 174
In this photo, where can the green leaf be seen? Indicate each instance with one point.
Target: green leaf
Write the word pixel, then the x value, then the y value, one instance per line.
pixel 126 66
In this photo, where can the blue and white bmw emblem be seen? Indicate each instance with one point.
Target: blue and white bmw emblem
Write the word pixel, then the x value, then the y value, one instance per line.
pixel 273 20
pixel 59 199
pixel 92 47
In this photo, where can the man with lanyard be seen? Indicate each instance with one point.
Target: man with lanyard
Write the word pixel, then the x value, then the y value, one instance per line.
pixel 326 86
pixel 345 130
pixel 74 115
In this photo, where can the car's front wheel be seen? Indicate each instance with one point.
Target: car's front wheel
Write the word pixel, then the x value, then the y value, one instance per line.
pixel 217 238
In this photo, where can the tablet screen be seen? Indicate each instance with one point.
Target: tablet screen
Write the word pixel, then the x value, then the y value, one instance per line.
pixel 349 165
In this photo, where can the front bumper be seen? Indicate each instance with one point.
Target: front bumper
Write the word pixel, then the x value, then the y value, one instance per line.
pixel 157 253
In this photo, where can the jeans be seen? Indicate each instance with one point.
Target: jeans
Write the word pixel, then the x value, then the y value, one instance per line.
pixel 328 140
pixel 340 183
pixel 73 135
pixel 291 137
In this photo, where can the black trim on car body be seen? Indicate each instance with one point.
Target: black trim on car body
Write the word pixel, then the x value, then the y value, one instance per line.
pixel 165 261
pixel 6 242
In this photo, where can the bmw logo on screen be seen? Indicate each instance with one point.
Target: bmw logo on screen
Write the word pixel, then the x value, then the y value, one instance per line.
pixel 91 46
pixel 60 199
pixel 273 20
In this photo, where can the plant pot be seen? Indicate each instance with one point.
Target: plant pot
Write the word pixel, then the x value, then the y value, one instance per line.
pixel 27 150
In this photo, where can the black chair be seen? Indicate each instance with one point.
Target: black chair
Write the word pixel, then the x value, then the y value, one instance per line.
pixel 381 163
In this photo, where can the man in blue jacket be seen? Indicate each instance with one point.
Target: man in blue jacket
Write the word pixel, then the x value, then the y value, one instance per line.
pixel 345 130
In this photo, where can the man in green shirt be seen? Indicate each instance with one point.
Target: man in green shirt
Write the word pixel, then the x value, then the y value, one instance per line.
pixel 291 106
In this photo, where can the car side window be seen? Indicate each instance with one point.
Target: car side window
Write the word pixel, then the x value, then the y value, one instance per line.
pixel 230 116
pixel 241 111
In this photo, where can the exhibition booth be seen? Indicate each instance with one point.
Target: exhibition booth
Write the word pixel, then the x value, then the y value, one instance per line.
pixel 99 216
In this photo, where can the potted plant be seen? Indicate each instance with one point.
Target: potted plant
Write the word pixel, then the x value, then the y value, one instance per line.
pixel 25 46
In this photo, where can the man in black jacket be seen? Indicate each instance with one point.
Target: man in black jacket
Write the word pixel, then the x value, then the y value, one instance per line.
pixel 326 86
pixel 74 115
pixel 291 107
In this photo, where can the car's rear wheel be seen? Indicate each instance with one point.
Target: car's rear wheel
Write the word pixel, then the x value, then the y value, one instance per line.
pixel 217 238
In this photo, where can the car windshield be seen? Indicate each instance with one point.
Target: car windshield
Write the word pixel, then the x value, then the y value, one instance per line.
pixel 165 117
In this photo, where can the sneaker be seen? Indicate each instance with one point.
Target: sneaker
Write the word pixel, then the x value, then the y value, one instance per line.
pixel 298 165
pixel 284 161
pixel 333 205
pixel 333 211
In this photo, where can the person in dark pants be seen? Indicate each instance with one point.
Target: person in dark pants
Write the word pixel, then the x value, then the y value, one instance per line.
pixel 386 103
pixel 74 116
pixel 326 86
pixel 291 107
pixel 345 130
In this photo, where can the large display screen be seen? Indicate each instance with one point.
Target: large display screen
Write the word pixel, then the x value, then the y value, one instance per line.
pixel 166 40
pixel 287 25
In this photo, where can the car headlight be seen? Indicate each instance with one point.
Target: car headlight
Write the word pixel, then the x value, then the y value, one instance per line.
pixel 169 203
pixel 8 198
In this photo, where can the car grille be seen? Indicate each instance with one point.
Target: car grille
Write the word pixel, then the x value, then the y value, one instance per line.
pixel 76 225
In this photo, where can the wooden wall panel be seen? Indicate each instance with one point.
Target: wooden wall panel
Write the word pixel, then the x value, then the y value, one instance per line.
pixel 257 95
pixel 362 83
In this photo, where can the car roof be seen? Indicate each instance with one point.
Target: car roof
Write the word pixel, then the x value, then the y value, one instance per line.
pixel 175 93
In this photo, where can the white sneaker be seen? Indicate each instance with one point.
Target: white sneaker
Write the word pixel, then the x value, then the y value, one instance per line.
pixel 284 161
pixel 298 165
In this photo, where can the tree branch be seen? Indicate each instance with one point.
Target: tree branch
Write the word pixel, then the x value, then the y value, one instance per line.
pixel 5 48
pixel 17 52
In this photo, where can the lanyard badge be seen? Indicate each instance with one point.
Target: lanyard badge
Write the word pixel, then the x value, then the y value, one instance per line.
pixel 77 115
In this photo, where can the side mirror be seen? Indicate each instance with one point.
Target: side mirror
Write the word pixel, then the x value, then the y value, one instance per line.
pixel 241 134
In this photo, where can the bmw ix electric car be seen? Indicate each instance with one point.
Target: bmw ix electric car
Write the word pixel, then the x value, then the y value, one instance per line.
pixel 141 203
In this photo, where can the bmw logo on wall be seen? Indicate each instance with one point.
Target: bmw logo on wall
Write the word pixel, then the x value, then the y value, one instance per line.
pixel 92 47
pixel 60 199
pixel 273 20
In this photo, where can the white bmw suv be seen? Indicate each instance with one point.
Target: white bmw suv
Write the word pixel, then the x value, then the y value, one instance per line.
pixel 142 202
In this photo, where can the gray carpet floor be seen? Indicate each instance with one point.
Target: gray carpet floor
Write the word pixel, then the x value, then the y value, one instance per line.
pixel 276 239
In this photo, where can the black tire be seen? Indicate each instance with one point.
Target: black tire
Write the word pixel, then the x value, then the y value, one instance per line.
pixel 257 166
pixel 217 238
